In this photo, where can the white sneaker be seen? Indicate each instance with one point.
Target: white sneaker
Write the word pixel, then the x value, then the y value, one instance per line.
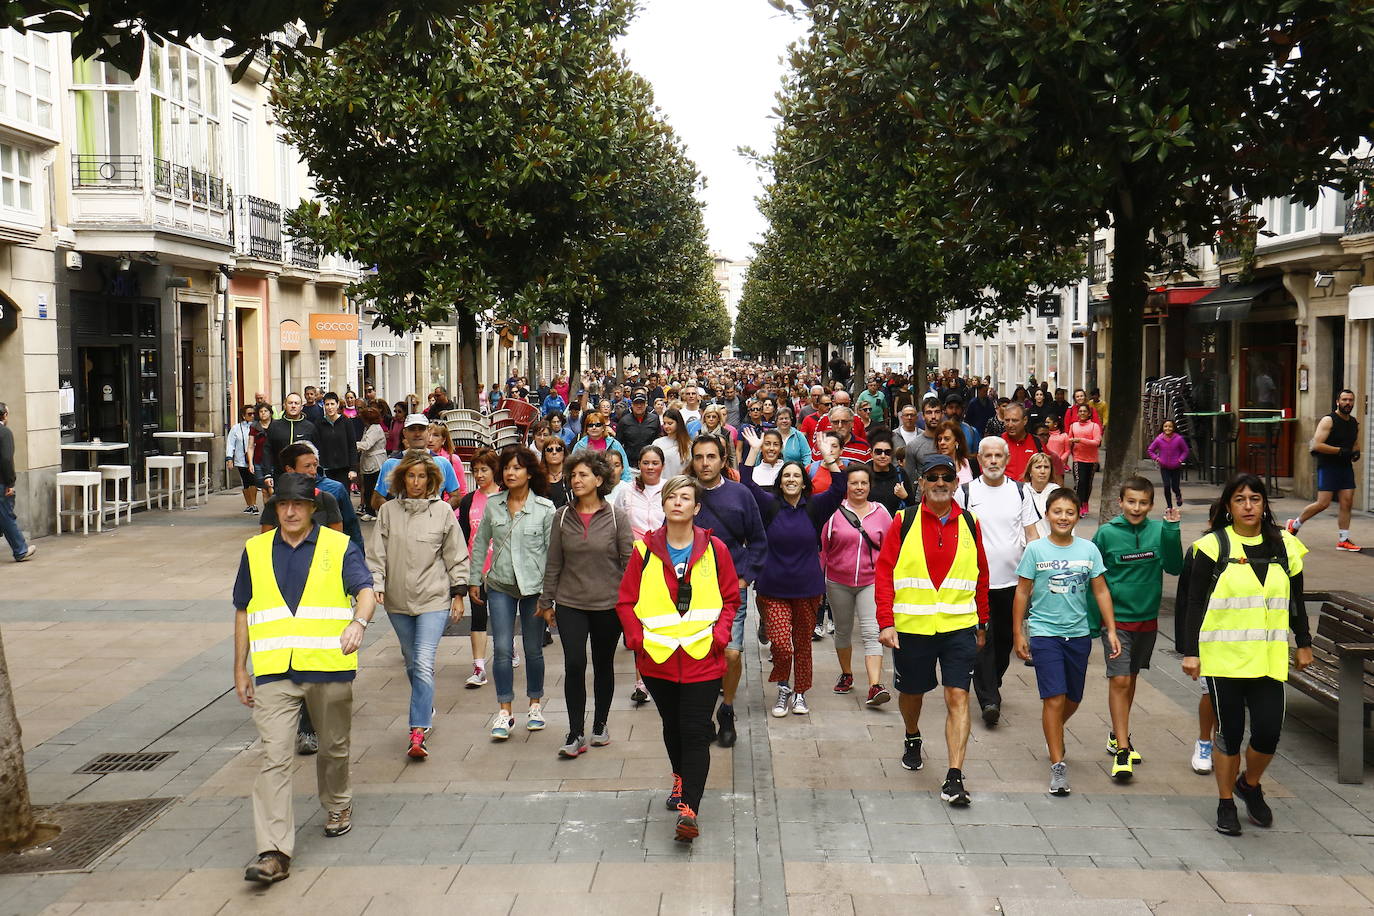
pixel 830 625
pixel 501 724
pixel 784 703
pixel 478 678
pixel 1202 757
pixel 534 718
pixel 515 661
pixel 799 707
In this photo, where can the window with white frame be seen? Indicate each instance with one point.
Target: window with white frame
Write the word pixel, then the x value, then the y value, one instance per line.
pixel 105 110
pixel 1287 216
pixel 16 178
pixel 27 85
pixel 185 115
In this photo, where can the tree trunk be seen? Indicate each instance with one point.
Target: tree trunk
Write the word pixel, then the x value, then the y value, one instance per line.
pixel 918 352
pixel 576 334
pixel 860 358
pixel 468 340
pixel 16 814
pixel 1127 290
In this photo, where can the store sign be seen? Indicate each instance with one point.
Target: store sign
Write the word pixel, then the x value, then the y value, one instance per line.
pixel 290 334
pixel 9 315
pixel 951 341
pixel 1047 305
pixel 333 326
pixel 384 346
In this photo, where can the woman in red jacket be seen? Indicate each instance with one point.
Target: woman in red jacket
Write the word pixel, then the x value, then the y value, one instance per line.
pixel 677 602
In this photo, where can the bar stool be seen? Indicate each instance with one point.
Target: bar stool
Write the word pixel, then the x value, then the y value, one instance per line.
pixel 171 480
pixel 117 474
pixel 87 482
pixel 198 469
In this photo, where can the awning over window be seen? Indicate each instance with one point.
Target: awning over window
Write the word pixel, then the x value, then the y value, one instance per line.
pixel 1231 302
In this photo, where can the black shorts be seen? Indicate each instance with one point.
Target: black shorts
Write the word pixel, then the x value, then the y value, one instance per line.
pixel 916 656
pixel 246 477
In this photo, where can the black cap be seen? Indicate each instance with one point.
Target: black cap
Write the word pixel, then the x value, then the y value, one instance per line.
pixel 640 397
pixel 295 486
pixel 936 461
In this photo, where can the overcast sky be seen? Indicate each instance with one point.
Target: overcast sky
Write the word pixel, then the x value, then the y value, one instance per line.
pixel 715 66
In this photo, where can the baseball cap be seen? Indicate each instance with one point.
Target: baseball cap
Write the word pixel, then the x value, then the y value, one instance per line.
pixel 936 461
pixel 640 397
pixel 416 419
pixel 295 487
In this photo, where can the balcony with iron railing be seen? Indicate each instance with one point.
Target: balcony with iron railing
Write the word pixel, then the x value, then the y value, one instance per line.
pixel 1236 239
pixel 121 171
pixel 257 228
pixel 303 254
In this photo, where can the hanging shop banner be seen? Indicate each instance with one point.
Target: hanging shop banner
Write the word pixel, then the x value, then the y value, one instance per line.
pixel 333 326
pixel 290 334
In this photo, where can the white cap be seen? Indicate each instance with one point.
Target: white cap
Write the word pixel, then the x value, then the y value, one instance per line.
pixel 417 419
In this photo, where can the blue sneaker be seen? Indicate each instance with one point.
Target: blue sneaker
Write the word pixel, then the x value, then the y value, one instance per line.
pixel 501 724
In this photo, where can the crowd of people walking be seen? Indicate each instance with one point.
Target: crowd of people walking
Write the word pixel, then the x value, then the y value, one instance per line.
pixel 654 512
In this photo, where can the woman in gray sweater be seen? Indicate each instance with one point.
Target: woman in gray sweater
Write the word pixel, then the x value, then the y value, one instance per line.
pixel 589 547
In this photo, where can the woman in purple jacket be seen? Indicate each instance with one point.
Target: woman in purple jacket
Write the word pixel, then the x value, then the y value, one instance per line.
pixel 790 582
pixel 1170 450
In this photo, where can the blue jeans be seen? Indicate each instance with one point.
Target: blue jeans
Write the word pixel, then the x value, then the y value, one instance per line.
pixel 9 527
pixel 419 637
pixel 737 628
pixel 501 611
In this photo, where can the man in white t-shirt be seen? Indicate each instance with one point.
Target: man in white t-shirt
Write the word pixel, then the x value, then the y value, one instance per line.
pixel 691 409
pixel 1007 515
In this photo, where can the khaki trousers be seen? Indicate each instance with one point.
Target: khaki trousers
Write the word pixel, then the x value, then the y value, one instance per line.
pixel 276 710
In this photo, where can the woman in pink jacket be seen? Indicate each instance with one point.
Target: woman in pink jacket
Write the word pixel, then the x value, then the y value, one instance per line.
pixel 1085 438
pixel 850 542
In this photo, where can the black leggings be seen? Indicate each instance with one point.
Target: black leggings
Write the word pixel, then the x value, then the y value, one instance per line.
pixel 574 629
pixel 1172 491
pixel 478 614
pixel 687 730
pixel 368 485
pixel 1083 477
pixel 1262 696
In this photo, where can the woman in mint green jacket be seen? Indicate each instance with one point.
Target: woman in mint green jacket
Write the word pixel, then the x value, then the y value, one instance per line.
pixel 516 525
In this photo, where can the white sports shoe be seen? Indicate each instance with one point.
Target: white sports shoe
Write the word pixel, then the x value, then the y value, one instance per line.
pixel 1202 757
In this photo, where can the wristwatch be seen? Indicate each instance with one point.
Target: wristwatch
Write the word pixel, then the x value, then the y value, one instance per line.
pixel 360 620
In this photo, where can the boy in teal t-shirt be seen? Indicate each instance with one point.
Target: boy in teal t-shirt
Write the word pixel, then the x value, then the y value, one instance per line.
pixel 1059 577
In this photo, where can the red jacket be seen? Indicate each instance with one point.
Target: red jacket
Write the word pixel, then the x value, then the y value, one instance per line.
pixel 940 552
pixel 680 667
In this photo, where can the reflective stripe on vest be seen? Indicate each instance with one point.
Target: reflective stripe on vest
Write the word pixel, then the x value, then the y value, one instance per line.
pixel 665 630
pixel 307 640
pixel 918 607
pixel 1245 630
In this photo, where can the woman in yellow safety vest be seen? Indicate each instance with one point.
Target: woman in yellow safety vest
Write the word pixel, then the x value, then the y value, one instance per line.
pixel 677 603
pixel 1244 596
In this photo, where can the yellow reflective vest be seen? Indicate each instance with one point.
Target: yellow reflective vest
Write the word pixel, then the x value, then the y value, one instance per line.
pixel 1245 630
pixel 665 630
pixel 918 607
pixel 307 640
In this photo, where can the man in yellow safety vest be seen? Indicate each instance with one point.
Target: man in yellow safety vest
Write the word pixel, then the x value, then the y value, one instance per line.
pixel 297 622
pixel 931 589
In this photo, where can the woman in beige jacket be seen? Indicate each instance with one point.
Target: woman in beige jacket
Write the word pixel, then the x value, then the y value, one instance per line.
pixel 419 564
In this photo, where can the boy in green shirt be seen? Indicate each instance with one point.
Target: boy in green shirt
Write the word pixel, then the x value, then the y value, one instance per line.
pixel 1137 550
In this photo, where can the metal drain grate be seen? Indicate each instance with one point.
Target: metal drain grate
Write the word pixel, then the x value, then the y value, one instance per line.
pixel 88 831
pixel 139 762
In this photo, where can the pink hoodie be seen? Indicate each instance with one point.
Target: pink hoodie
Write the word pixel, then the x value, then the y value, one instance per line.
pixel 846 557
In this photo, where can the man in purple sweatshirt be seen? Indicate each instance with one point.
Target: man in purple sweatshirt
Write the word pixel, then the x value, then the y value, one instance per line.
pixel 728 510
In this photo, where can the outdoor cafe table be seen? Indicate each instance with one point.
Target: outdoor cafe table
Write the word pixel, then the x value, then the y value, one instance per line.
pixel 180 436
pixel 1207 444
pixel 93 449
pixel 1271 426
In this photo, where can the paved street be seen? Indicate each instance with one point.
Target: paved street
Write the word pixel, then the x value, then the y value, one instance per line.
pixel 121 642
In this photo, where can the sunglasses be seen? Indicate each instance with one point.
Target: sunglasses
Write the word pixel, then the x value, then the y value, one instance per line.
pixel 553 448
pixel 882 451
pixel 935 478
pixel 595 425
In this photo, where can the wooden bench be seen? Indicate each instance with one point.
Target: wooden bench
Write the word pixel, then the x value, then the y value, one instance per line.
pixel 1342 673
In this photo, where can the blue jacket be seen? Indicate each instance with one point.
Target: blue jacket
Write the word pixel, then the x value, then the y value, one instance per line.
pixel 730 513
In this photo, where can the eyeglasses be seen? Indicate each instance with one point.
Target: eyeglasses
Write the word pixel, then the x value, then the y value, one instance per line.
pixel 553 448
pixel 936 478
pixel 882 451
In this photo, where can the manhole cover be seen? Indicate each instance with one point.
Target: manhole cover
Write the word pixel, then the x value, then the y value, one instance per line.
pixel 138 762
pixel 89 830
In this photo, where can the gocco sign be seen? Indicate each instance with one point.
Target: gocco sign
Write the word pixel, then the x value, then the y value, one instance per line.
pixel 333 326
